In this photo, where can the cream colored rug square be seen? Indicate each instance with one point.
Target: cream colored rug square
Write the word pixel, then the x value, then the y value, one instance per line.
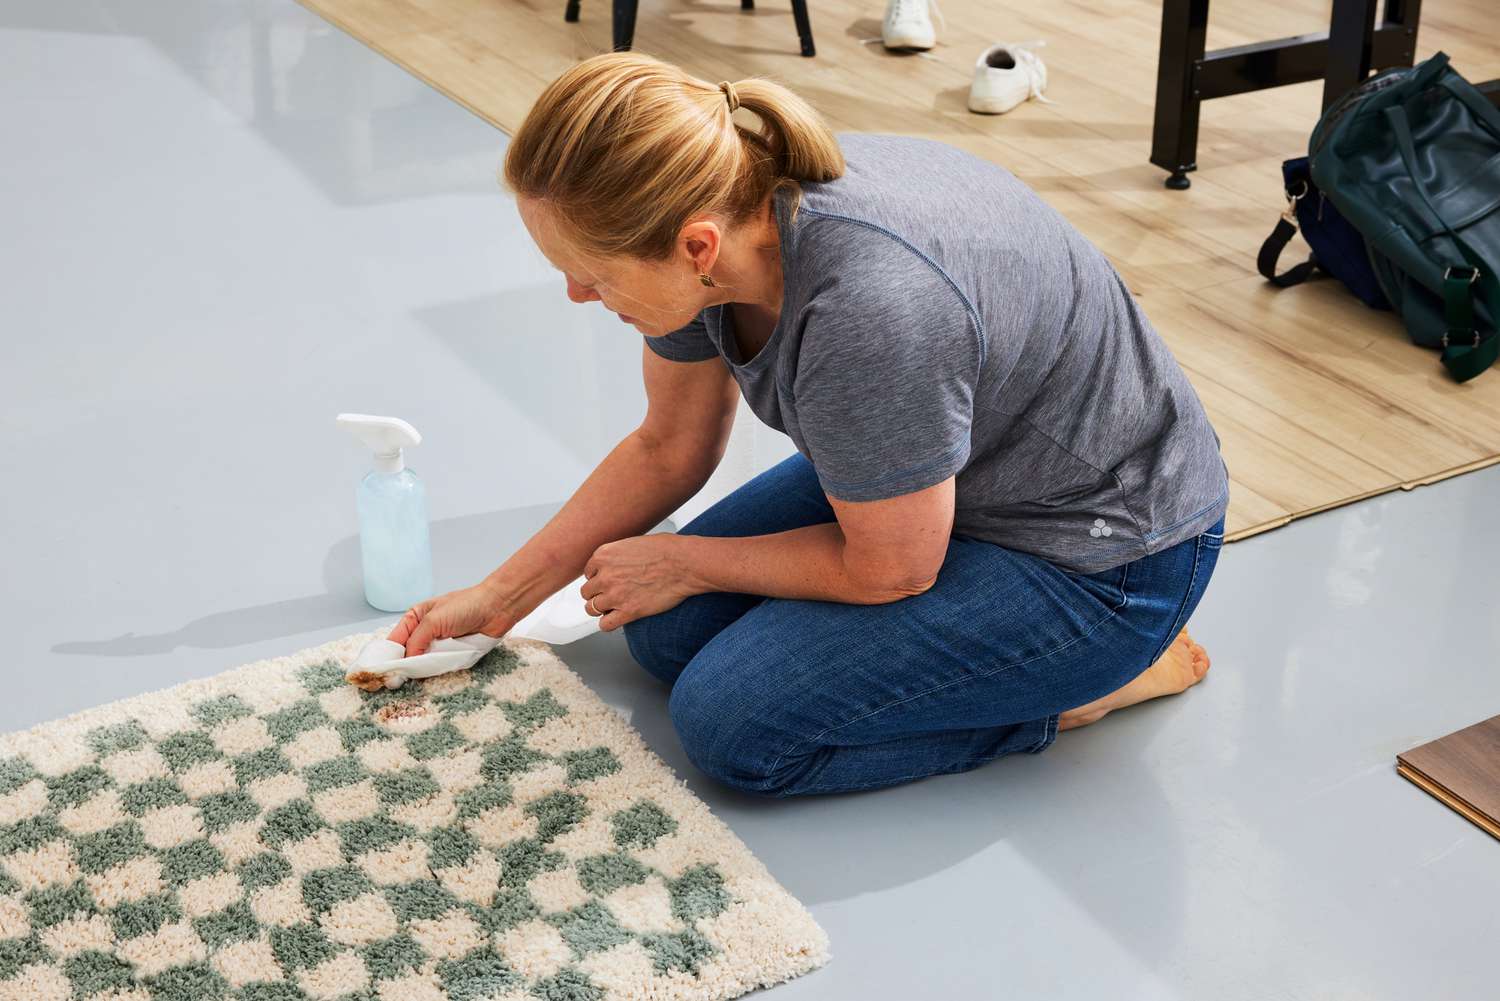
pixel 274 834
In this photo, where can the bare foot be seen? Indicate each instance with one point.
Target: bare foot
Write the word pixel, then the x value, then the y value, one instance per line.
pixel 1181 667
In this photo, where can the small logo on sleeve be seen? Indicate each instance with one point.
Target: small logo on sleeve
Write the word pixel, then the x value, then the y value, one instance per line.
pixel 1100 529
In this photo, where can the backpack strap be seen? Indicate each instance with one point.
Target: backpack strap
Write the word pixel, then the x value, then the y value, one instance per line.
pixel 1270 251
pixel 1464 361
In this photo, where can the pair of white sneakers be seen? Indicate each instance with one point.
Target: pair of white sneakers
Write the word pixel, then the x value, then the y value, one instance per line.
pixel 1005 74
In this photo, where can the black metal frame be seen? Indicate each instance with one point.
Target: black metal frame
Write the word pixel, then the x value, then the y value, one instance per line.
pixel 1341 57
pixel 624 22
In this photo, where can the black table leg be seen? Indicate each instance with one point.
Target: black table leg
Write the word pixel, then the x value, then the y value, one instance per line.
pixel 1174 132
pixel 804 27
pixel 1351 37
pixel 1404 16
pixel 624 24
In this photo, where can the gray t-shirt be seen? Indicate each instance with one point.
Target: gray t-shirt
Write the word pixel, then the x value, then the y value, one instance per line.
pixel 939 318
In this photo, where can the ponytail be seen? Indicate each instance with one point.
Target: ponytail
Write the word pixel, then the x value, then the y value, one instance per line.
pixel 627 148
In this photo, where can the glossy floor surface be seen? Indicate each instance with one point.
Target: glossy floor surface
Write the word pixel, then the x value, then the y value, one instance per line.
pixel 226 222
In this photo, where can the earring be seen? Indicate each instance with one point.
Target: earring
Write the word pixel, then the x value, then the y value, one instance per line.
pixel 706 279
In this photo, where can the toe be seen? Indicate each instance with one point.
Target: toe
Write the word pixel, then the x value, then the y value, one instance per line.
pixel 1200 661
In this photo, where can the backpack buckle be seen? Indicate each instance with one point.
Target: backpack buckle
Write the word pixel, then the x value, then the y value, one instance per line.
pixel 1290 212
pixel 1474 344
pixel 1473 274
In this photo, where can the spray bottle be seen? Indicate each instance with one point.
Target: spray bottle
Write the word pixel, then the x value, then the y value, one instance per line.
pixel 394 546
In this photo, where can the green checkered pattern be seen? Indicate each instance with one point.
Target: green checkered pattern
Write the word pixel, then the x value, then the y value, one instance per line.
pixel 337 848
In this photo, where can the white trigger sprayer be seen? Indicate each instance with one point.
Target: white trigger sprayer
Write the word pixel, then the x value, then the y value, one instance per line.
pixel 394 548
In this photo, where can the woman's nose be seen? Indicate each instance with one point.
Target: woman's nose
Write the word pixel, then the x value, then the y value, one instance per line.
pixel 580 293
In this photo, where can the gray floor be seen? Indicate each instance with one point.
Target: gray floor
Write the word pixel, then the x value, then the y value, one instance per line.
pixel 226 222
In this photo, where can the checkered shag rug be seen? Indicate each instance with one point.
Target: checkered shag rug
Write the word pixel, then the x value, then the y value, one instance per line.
pixel 275 834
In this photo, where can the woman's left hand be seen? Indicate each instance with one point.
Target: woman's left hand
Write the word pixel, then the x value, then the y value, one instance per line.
pixel 632 578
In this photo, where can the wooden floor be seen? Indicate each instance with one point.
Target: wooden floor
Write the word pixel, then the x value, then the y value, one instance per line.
pixel 1318 400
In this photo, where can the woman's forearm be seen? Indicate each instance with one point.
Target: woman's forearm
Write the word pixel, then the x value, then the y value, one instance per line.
pixel 627 494
pixel 806 562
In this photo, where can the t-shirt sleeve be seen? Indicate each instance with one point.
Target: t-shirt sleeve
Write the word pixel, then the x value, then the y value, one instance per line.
pixel 689 343
pixel 884 387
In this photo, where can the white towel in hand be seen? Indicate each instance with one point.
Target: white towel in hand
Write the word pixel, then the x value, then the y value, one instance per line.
pixel 444 655
pixel 562 618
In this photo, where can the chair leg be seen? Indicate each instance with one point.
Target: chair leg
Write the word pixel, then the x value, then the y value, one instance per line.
pixel 624 24
pixel 804 27
pixel 572 12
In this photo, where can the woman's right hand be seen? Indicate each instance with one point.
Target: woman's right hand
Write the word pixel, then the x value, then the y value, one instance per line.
pixel 477 609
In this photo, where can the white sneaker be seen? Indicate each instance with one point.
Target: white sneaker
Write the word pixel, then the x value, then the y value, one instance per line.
pixel 1005 75
pixel 907 25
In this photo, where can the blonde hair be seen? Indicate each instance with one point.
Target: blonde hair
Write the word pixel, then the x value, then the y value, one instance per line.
pixel 625 148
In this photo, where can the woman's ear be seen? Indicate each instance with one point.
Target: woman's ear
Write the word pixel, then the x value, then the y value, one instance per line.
pixel 700 244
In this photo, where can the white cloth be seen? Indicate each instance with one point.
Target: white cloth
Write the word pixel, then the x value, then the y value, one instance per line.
pixel 562 618
pixel 443 656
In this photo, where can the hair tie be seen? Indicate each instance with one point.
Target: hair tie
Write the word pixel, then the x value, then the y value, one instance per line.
pixel 730 95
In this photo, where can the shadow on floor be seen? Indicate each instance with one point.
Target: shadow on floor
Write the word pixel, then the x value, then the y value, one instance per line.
pixel 465 548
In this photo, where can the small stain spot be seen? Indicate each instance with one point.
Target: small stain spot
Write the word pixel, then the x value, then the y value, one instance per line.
pixel 401 710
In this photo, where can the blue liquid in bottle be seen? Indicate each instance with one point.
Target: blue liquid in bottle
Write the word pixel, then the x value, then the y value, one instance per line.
pixel 394 546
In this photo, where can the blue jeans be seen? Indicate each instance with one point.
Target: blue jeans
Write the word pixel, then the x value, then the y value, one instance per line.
pixel 790 697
